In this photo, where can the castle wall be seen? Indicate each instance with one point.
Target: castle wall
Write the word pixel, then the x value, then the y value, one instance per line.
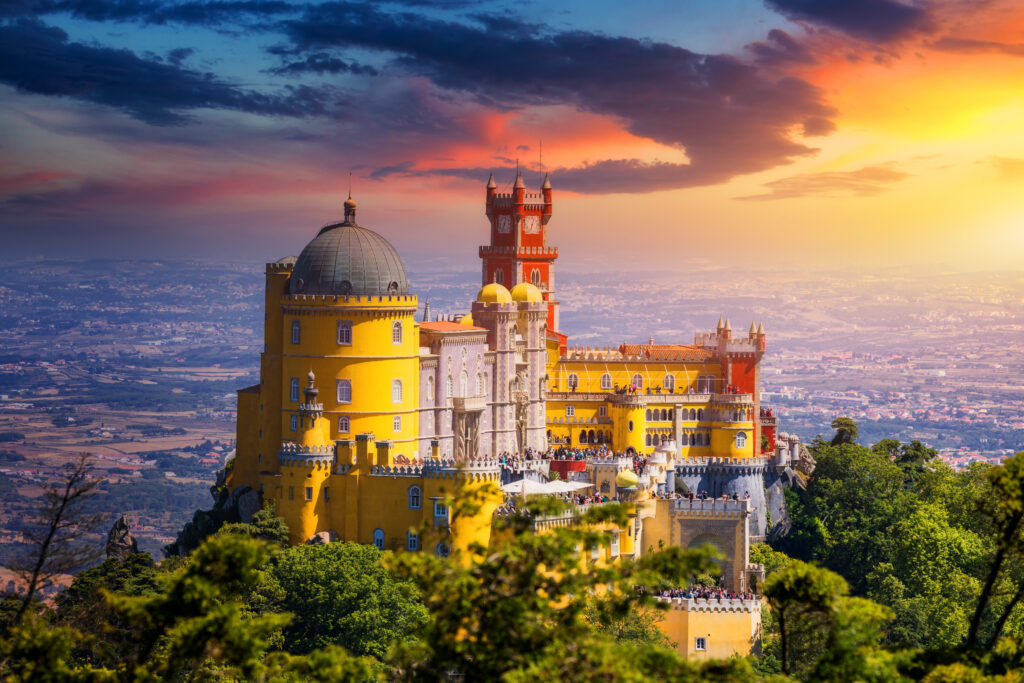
pixel 728 627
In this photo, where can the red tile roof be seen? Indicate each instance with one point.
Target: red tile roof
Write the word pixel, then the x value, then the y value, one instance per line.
pixel 667 351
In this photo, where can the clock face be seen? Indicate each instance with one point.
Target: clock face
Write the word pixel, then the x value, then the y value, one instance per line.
pixel 504 224
pixel 531 225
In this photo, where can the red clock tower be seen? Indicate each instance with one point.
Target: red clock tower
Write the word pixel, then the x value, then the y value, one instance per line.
pixel 518 251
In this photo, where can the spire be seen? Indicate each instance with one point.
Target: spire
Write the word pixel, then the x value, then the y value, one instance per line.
pixel 720 326
pixel 490 182
pixel 760 328
pixel 426 304
pixel 547 183
pixel 727 325
pixel 753 330
pixel 519 181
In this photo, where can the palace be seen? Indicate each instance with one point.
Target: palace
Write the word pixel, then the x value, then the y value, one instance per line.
pixel 365 420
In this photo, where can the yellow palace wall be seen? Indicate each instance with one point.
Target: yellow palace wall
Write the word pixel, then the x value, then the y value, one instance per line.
pixel 725 632
pixel 371 362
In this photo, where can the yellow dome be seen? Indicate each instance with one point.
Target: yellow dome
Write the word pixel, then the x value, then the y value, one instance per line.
pixel 626 479
pixel 527 292
pixel 466 319
pixel 494 294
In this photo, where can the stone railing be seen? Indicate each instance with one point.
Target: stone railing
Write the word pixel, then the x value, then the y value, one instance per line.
pixel 711 505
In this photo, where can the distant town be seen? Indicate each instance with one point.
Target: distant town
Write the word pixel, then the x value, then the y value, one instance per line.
pixel 137 362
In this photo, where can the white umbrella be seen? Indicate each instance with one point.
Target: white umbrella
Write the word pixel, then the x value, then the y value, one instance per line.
pixel 566 486
pixel 524 487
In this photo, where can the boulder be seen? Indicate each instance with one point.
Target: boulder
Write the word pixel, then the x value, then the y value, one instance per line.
pixel 247 502
pixel 120 542
pixel 322 538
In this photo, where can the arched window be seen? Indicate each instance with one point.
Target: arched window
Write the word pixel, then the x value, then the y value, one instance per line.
pixel 396 391
pixel 442 550
pixel 583 436
pixel 606 382
pixel 378 538
pixel 293 389
pixel 415 498
pixel 630 425
pixel 664 415
pixel 574 381
pixel 430 388
pixel 463 383
pixel 296 331
pixel 396 333
pixel 344 331
pixel 512 338
pixel 344 391
pixel 693 413
pixel 700 413
pixel 638 381
pixel 344 425
pixel 741 440
pixel 499 277
pixel 648 439
pixel 412 540
pixel 670 382
pixel 693 439
pixel 448 387
pixel 648 415
pixel 479 384
pixel 535 277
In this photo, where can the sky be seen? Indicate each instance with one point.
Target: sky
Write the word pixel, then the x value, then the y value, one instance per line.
pixel 731 133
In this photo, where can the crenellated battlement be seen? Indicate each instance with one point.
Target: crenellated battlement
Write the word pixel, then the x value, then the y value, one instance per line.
pixel 293 454
pixel 636 353
pixel 284 265
pixel 352 299
pixel 477 469
pixel 729 345
pixel 713 604
pixel 519 252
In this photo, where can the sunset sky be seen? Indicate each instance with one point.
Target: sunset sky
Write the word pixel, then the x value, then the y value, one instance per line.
pixel 727 132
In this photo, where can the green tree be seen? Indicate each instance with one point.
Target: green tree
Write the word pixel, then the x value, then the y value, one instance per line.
pixel 518 612
pixel 265 526
pixel 823 633
pixel 639 625
pixel 83 606
pixel 340 594
pixel 55 538
pixel 846 431
pixel 1005 510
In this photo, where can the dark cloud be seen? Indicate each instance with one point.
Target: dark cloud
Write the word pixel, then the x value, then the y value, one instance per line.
pixel 864 182
pixel 878 21
pixel 179 54
pixel 968 46
pixel 153 11
pixel 39 59
pixel 323 63
pixel 781 49
pixel 730 117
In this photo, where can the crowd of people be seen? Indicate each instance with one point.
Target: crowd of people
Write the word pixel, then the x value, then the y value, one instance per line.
pixel 703 593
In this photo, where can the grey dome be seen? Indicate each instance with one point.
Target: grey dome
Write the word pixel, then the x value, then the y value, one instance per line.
pixel 347 259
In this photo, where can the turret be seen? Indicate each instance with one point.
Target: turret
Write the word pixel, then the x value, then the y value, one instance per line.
pixel 546 191
pixel 491 189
